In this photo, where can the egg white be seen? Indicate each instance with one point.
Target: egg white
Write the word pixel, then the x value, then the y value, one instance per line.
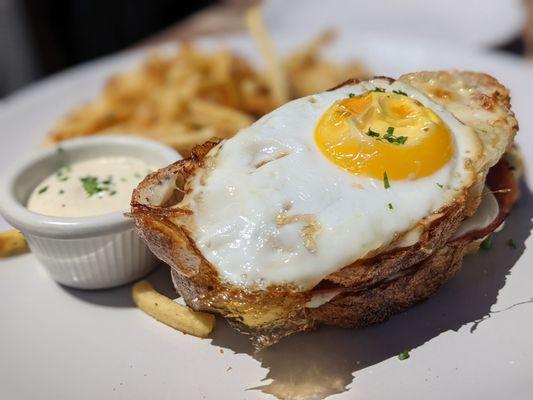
pixel 274 167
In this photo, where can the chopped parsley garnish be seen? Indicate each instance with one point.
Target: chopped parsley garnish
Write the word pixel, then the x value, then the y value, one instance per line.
pixel 61 159
pixel 389 137
pixel 486 244
pixel 386 183
pixel 440 185
pixel 511 243
pixel 92 185
pixel 379 90
pixel 404 355
pixel 351 94
pixel 399 92
pixel 43 189
pixel 390 206
pixel 61 191
pixel 398 139
pixel 62 172
pixel 113 192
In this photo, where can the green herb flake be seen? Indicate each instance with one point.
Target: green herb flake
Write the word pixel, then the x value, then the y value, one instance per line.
pixel 43 189
pixel 372 133
pixel 511 243
pixel 90 185
pixel 379 90
pixel 404 355
pixel 440 185
pixel 137 175
pixel 401 139
pixel 63 178
pixel 390 206
pixel 486 244
pixel 351 95
pixel 63 170
pixel 389 137
pixel 61 191
pixel 400 92
pixel 386 183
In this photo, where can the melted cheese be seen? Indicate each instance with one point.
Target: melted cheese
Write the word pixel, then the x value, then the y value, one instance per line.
pixel 487 212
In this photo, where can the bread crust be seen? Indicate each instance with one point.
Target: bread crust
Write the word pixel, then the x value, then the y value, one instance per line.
pixel 378 303
pixel 370 289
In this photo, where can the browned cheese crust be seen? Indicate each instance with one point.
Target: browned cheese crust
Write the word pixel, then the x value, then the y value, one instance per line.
pixel 371 289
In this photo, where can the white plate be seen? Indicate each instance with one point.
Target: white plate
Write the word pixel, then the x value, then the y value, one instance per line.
pixel 471 340
pixel 469 22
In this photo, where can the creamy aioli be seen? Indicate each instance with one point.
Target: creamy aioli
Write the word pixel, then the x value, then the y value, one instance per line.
pixel 90 187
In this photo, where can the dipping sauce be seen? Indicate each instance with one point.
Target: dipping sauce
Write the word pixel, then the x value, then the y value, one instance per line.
pixel 90 187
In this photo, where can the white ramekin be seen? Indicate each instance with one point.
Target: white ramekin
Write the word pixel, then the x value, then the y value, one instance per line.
pixel 89 252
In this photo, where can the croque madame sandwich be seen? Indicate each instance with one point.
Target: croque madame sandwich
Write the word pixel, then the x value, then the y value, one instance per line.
pixel 341 208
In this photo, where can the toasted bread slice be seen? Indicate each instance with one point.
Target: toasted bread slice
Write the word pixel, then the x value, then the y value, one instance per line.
pixel 366 291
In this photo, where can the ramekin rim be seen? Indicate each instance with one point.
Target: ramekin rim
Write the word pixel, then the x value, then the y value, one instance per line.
pixel 40 225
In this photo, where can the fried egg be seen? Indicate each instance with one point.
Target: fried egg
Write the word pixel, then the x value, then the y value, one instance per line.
pixel 326 180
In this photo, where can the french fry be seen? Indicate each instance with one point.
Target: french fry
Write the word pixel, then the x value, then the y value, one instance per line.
pixel 310 52
pixel 12 242
pixel 175 315
pixel 278 81
pixel 310 73
pixel 223 119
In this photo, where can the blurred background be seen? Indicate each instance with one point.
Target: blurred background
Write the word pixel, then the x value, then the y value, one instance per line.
pixel 41 37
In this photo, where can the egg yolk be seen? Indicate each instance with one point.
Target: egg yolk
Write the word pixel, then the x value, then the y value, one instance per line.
pixel 380 132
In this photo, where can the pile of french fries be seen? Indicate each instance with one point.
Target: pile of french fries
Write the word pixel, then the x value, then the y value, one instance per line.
pixel 184 99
